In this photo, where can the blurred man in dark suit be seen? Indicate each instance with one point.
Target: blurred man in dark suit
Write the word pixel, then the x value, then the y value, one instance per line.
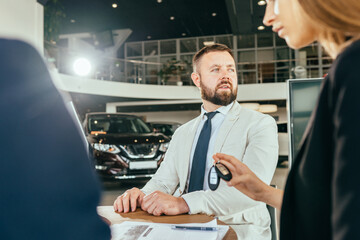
pixel 48 189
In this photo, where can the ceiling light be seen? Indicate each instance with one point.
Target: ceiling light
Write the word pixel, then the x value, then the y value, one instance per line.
pixel 148 37
pixel 261 28
pixel 183 34
pixel 214 14
pixel 114 5
pixel 82 66
pixel 72 21
pixel 261 2
pixel 172 18
pixel 159 1
pixel 208 43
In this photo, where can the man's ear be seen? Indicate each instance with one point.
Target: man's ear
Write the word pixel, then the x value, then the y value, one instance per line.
pixel 196 79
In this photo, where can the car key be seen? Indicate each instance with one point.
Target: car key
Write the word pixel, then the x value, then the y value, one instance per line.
pixel 213 179
pixel 223 171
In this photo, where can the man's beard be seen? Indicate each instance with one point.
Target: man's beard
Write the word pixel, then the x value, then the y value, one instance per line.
pixel 213 96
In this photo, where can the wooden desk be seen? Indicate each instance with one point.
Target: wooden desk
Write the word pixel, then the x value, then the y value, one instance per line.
pixel 113 217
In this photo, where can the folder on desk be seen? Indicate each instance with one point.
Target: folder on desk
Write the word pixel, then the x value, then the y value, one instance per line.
pixel 159 231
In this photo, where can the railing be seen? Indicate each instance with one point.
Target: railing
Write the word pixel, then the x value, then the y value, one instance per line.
pixel 146 72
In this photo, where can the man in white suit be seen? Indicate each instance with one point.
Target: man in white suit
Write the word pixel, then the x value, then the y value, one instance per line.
pixel 248 135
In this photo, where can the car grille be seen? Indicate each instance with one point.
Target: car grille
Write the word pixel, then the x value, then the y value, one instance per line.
pixel 144 150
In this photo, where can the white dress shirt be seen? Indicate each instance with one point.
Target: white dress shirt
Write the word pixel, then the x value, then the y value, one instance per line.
pixel 216 123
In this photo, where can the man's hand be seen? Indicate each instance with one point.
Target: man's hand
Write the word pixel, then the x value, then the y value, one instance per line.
pixel 129 200
pixel 158 203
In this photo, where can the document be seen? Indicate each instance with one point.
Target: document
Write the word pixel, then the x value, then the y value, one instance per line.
pixel 159 231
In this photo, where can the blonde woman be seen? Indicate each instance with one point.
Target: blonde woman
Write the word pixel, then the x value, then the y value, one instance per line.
pixel 322 194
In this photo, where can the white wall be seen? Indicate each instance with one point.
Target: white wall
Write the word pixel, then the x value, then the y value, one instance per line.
pixel 22 19
pixel 168 116
pixel 185 116
pixel 246 92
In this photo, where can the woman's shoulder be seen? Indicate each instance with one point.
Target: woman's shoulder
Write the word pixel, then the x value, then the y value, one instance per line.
pixel 349 58
pixel 346 66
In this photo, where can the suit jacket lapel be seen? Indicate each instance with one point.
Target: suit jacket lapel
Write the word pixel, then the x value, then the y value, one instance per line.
pixel 188 142
pixel 227 125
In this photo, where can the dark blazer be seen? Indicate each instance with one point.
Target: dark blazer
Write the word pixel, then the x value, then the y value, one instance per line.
pixel 322 193
pixel 48 189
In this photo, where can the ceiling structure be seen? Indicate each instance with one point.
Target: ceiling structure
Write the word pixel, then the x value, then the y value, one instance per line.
pixel 164 19
pixel 158 19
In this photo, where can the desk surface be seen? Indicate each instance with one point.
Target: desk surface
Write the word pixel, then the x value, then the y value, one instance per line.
pixel 113 217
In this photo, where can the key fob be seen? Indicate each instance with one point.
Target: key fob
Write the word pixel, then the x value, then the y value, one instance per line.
pixel 213 179
pixel 223 172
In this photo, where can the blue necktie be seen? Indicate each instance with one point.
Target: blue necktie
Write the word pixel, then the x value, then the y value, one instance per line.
pixel 199 160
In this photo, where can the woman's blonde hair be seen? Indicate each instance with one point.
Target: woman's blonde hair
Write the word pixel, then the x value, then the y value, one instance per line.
pixel 338 20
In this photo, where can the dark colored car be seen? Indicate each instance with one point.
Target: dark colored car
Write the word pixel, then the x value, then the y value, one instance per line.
pixel 167 128
pixel 124 147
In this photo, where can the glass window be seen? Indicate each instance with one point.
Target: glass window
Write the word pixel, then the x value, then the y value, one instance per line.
pixel 134 49
pixel 326 59
pixel 187 45
pixel 168 46
pixel 283 75
pixel 187 61
pixel 246 60
pixel 310 53
pixel 265 39
pixel 246 41
pixel 313 72
pixel 151 80
pixel 282 57
pixel 279 41
pixel 151 48
pixel 227 40
pixel 265 55
pixel 151 67
pixel 117 124
pixel 166 59
pixel 248 77
pixel 266 72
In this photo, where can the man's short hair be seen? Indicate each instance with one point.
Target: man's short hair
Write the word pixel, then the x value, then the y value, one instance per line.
pixel 217 47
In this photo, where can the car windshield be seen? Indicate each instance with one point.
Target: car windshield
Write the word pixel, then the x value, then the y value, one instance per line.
pixel 166 129
pixel 117 124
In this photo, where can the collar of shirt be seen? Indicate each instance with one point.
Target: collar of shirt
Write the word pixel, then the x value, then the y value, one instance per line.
pixel 223 110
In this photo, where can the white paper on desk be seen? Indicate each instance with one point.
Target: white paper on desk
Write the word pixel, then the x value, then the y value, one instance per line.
pixel 158 231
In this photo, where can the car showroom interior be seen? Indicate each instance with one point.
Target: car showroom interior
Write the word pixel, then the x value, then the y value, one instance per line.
pixel 112 114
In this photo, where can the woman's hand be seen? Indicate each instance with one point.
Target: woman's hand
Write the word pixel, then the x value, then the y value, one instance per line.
pixel 248 183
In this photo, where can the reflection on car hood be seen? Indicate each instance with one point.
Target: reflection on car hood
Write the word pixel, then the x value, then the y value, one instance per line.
pixel 127 138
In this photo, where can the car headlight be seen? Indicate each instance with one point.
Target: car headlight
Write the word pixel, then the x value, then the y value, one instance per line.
pixel 164 146
pixel 106 148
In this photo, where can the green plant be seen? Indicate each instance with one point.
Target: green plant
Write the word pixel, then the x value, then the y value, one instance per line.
pixel 173 67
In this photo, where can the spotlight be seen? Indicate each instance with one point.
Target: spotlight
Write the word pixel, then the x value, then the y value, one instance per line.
pixel 114 5
pixel 261 3
pixel 261 28
pixel 214 14
pixel 82 66
pixel 172 18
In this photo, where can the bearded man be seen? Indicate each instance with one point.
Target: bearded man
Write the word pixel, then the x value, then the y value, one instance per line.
pixel 181 183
